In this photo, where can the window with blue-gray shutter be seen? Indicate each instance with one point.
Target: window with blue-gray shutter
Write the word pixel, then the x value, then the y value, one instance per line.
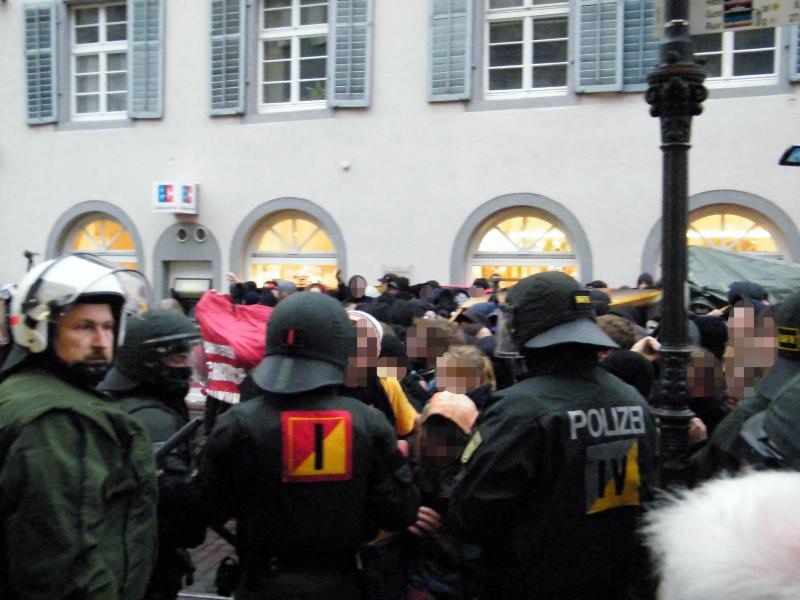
pixel 599 54
pixel 450 61
pixel 40 62
pixel 795 60
pixel 145 73
pixel 350 53
pixel 227 56
pixel 640 45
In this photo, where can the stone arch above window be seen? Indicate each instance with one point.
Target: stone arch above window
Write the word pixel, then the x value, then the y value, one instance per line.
pixel 99 228
pixel 734 221
pixel 518 235
pixel 291 239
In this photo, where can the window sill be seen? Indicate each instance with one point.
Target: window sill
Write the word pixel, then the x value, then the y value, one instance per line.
pixel 86 124
pixel 525 94
pixel 714 83
pixel 276 116
pixel 267 109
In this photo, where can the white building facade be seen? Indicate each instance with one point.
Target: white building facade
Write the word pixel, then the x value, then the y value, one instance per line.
pixel 439 139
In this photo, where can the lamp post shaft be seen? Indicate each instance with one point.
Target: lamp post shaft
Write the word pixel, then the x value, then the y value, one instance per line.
pixel 675 94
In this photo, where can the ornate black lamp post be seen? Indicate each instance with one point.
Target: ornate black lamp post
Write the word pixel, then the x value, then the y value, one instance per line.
pixel 675 94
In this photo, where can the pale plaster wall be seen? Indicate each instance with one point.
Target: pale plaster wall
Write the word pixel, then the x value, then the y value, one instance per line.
pixel 417 169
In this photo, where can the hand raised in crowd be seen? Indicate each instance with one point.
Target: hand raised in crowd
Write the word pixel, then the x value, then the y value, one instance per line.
pixel 232 277
pixel 648 346
pixel 428 522
pixel 697 431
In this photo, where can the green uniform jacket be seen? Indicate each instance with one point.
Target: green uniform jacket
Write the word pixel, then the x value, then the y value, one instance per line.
pixel 77 494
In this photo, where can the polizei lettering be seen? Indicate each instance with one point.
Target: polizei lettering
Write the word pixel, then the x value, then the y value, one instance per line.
pixel 610 421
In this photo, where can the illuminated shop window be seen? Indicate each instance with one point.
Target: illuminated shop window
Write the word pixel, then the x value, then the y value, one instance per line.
pixel 292 246
pixel 518 243
pixel 104 237
pixel 734 233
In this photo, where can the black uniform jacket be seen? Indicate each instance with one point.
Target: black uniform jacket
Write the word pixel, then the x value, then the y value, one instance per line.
pixel 553 484
pixel 308 477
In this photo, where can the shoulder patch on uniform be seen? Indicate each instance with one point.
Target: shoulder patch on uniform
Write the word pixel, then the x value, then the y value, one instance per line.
pixel 788 339
pixel 316 446
pixel 612 475
pixel 471 446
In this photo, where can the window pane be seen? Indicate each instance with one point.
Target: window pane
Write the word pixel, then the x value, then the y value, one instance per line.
pixel 280 49
pixel 116 14
pixel 505 32
pixel 87 35
pixel 277 3
pixel 320 242
pixel 87 63
pixel 754 38
pixel 118 82
pixel 549 52
pixel 123 242
pixel 277 18
pixel 312 90
pixel 86 16
pixel 546 29
pixel 754 63
pixel 312 69
pixel 505 79
pixel 709 42
pixel 504 3
pixel 505 55
pixel 87 104
pixel 117 62
pixel 115 33
pixel 117 102
pixel 277 71
pixel 713 65
pixel 315 46
pixel 555 76
pixel 276 92
pixel 313 15
pixel 87 83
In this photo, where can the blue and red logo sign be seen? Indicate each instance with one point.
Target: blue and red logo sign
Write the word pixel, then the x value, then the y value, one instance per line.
pixel 165 193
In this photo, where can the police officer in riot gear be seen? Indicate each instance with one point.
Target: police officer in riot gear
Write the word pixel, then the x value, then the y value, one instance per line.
pixel 309 473
pixel 556 473
pixel 150 378
pixel 77 476
pixel 763 432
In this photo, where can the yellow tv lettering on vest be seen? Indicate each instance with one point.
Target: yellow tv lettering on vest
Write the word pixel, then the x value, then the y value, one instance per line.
pixel 612 477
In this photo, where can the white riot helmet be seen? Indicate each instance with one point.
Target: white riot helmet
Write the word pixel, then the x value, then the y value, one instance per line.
pixel 52 286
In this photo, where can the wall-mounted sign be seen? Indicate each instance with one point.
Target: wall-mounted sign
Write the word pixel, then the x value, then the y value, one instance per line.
pixel 175 197
pixel 713 16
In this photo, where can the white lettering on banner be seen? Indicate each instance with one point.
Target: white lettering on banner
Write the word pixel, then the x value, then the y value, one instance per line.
pixel 225 372
pixel 624 420
pixel 218 349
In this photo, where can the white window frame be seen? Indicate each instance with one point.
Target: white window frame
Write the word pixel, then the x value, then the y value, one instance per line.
pixel 102 250
pixel 102 49
pixel 727 78
pixel 295 33
pixel 527 13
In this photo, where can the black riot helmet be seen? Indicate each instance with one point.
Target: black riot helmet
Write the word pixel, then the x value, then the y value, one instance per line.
pixel 308 339
pixel 160 352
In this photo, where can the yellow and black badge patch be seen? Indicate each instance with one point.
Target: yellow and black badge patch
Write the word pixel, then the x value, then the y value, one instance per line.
pixel 789 339
pixel 580 299
pixel 317 446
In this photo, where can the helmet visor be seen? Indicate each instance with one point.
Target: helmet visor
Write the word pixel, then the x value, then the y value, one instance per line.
pixel 180 352
pixel 67 279
pixel 505 347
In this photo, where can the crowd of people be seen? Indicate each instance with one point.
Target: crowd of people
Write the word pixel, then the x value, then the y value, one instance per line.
pixel 381 441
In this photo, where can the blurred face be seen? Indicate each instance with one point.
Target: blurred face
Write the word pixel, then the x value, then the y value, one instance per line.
pixel 357 286
pixel 367 349
pixel 456 375
pixel 751 349
pixel 85 334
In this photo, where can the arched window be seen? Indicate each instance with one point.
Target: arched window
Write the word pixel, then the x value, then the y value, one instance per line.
pixel 519 242
pixel 103 236
pixel 292 245
pixel 730 228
